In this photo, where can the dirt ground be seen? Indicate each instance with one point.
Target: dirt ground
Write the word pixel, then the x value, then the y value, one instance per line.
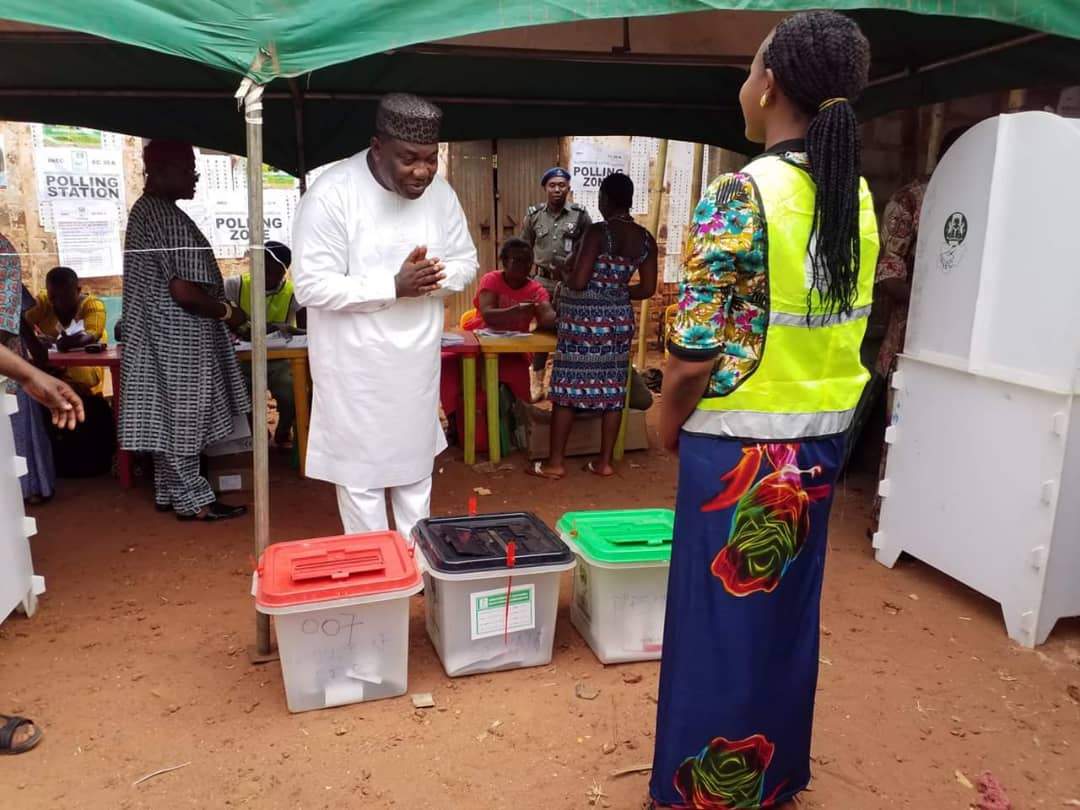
pixel 136 662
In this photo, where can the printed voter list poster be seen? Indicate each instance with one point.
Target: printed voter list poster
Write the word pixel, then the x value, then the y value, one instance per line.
pixel 590 162
pixel 88 237
pixel 82 175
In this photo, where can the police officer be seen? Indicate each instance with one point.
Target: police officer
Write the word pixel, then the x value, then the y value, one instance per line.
pixel 554 229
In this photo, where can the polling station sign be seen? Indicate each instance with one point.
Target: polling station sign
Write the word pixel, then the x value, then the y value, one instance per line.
pixel 80 175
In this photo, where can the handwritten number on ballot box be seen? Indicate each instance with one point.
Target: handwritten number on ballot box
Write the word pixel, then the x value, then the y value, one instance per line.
pixel 333 627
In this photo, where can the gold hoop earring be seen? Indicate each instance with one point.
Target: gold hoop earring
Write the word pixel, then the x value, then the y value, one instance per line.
pixel 764 102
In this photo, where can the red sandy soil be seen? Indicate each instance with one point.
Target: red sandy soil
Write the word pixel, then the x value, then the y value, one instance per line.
pixel 136 661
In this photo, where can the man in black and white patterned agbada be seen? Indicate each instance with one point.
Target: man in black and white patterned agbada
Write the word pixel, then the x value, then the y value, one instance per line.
pixel 182 385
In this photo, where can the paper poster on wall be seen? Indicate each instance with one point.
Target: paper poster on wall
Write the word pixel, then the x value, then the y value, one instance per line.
pixel 679 175
pixel 642 153
pixel 3 163
pixel 590 162
pixel 277 179
pixel 225 220
pixel 88 237
pixel 215 174
pixel 62 135
pixel 79 175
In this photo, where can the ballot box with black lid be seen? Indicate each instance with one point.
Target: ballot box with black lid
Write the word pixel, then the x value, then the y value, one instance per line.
pixel 491 589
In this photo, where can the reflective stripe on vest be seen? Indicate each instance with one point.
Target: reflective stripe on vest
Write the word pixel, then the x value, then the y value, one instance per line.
pixel 810 375
pixel 277 304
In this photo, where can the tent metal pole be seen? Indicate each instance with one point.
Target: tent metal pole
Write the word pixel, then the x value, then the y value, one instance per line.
pixel 254 121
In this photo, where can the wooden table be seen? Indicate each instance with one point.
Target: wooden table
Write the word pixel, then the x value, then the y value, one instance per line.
pixel 467 351
pixel 492 347
pixel 301 383
pixel 534 343
pixel 110 359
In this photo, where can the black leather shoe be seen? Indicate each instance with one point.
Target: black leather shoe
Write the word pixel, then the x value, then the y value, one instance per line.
pixel 217 511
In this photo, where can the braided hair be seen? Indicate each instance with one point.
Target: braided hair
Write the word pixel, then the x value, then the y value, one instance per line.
pixel 821 60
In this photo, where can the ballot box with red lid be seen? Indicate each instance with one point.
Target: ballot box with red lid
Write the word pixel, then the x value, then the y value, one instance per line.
pixel 341 612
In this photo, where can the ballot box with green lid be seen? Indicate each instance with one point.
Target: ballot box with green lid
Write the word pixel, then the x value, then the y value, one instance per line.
pixel 341 612
pixel 491 589
pixel 620 584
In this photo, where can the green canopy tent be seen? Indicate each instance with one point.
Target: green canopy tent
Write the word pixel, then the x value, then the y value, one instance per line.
pixel 313 69
pixel 173 69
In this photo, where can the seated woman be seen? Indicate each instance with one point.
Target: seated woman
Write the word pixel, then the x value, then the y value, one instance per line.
pixel 596 326
pixel 508 300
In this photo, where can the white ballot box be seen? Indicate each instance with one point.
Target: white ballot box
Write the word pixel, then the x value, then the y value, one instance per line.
pixel 18 585
pixel 983 473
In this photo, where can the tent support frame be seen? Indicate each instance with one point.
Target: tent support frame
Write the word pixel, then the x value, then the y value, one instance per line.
pixel 251 96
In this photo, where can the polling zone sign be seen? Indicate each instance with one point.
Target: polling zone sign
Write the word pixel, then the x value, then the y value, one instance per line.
pixel 590 162
pixel 64 173
pixel 222 217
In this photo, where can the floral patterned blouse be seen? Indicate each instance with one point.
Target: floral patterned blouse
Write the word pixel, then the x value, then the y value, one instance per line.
pixel 724 295
pixel 899 234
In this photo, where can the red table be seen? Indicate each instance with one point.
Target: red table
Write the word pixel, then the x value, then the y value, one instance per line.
pixel 110 359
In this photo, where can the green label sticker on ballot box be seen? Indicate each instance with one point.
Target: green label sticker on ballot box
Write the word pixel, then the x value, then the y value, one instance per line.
pixel 490 616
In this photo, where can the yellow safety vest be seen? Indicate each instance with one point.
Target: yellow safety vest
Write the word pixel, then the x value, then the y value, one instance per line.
pixel 810 375
pixel 277 304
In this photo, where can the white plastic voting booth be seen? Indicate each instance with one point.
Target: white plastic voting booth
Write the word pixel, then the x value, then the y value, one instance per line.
pixel 18 585
pixel 983 474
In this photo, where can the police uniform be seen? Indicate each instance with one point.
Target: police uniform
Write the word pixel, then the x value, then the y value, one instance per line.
pixel 554 238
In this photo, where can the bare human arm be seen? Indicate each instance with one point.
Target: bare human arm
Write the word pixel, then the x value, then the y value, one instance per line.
pixel 64 404
pixel 684 385
pixel 501 317
pixel 646 286
pixel 194 300
pixel 585 260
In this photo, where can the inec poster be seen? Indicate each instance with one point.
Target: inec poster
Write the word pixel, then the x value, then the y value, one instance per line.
pixel 88 237
pixel 82 175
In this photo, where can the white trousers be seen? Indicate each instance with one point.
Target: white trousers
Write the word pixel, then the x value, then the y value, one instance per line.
pixel 364 510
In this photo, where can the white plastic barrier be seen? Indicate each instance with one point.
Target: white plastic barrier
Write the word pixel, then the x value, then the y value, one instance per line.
pixel 983 474
pixel 18 585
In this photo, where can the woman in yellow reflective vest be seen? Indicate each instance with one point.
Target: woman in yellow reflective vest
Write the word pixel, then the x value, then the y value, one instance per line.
pixel 761 385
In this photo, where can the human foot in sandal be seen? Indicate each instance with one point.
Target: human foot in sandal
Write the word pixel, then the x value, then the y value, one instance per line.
pixel 18 735
pixel 597 468
pixel 538 470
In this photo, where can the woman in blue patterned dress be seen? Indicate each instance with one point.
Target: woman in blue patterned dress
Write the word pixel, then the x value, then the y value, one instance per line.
pixel 596 325
pixel 28 422
pixel 762 383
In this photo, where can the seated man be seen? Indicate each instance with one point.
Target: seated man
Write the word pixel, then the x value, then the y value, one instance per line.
pixel 66 317
pixel 281 312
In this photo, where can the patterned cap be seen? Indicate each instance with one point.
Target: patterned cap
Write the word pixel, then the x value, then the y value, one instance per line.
pixel 408 118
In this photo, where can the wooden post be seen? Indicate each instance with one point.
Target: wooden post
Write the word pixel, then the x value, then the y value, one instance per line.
pixel 695 178
pixel 656 195
pixel 937 132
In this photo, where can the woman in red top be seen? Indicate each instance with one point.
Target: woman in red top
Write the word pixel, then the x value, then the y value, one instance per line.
pixel 508 300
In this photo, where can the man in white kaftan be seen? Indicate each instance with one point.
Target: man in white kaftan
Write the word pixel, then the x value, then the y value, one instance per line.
pixel 379 241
